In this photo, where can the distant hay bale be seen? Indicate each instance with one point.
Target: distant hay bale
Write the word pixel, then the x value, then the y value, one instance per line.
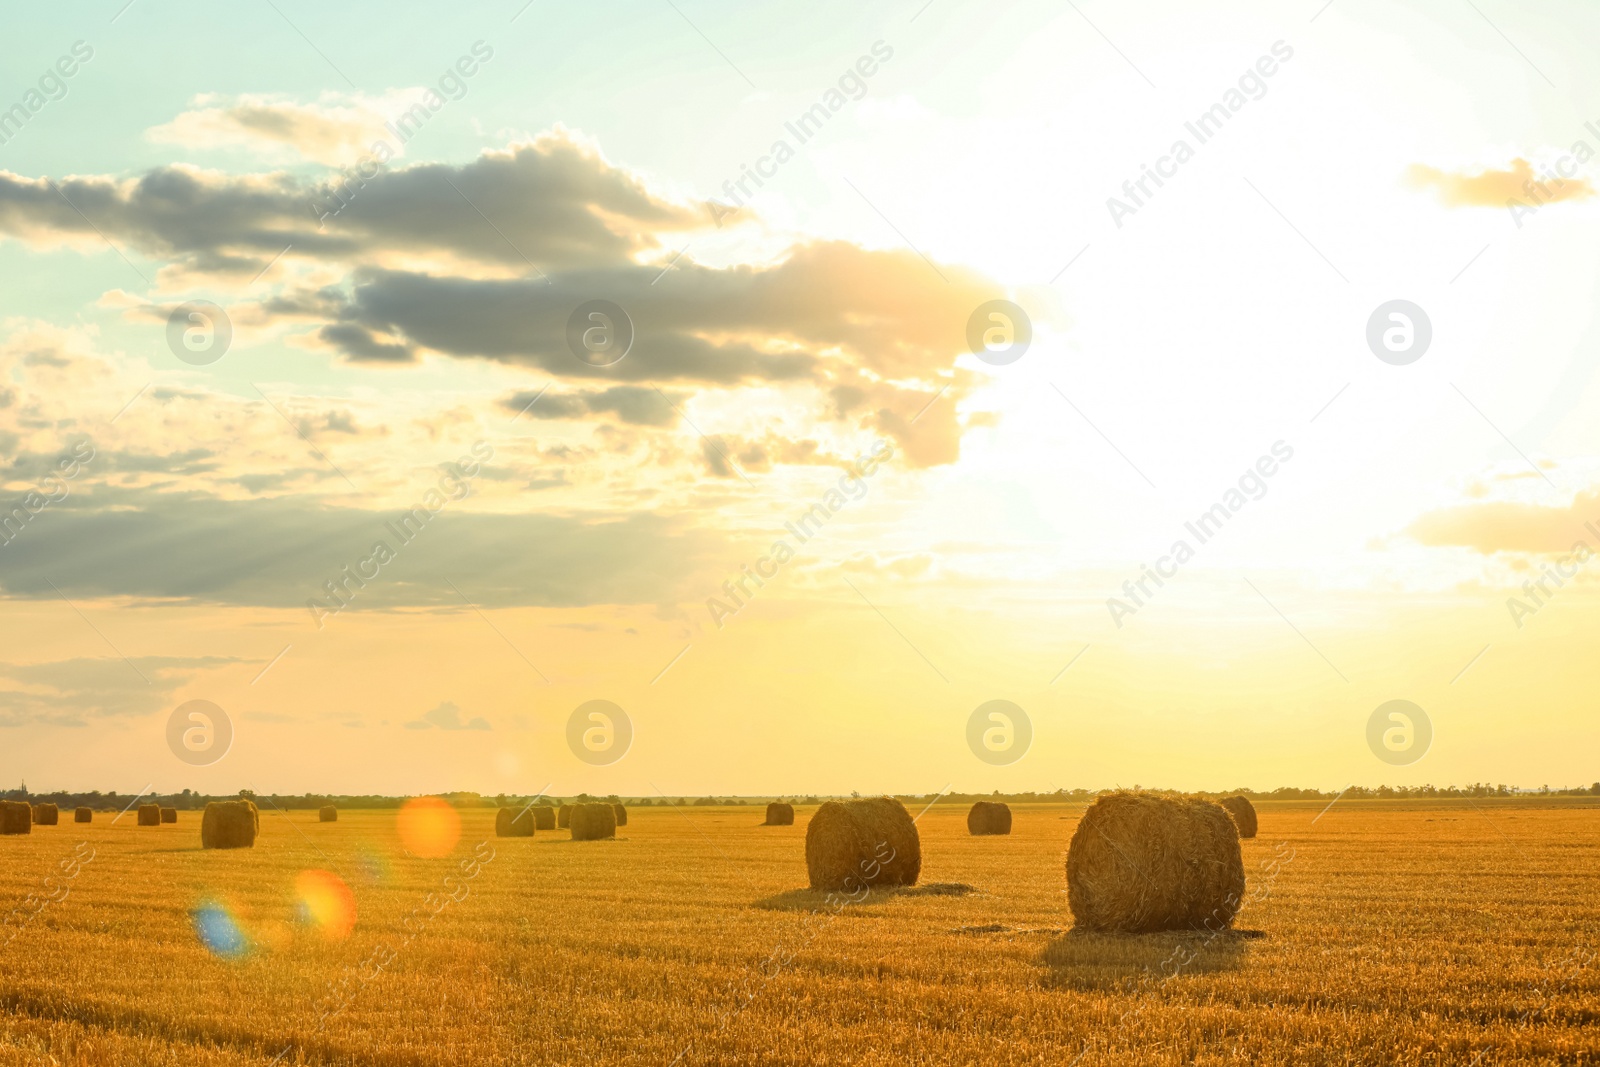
pixel 329 813
pixel 779 815
pixel 16 817
pixel 564 816
pixel 591 822
pixel 544 817
pixel 989 817
pixel 855 844
pixel 169 814
pixel 149 814
pixel 622 814
pixel 513 822
pixel 46 815
pixel 1243 812
pixel 230 824
pixel 83 815
pixel 1141 862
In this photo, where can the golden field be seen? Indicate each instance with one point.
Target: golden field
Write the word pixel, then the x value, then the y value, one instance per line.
pixel 1409 932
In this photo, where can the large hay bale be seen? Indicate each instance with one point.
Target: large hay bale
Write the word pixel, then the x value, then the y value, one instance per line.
pixel 591 822
pixel 622 814
pixel 83 815
pixel 854 844
pixel 779 815
pixel 989 817
pixel 46 815
pixel 1141 862
pixel 544 817
pixel 149 814
pixel 169 814
pixel 329 813
pixel 513 822
pixel 564 816
pixel 230 824
pixel 16 817
pixel 1243 812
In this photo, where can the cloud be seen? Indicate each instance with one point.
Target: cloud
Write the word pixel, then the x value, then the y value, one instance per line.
pixel 446 716
pixel 631 404
pixel 336 130
pixel 70 692
pixel 1493 188
pixel 1504 526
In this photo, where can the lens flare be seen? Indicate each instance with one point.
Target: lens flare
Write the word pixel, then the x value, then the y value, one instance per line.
pixel 429 827
pixel 326 903
pixel 372 867
pixel 218 930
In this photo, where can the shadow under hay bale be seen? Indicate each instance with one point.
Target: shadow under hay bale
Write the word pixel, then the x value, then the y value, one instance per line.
pixel 329 813
pixel 16 817
pixel 622 814
pixel 544 817
pixel 1141 862
pixel 230 824
pixel 564 817
pixel 149 814
pixel 841 902
pixel 513 822
pixel 1243 812
pixel 1086 961
pixel 591 822
pixel 83 815
pixel 854 844
pixel 46 815
pixel 169 814
pixel 779 815
pixel 989 817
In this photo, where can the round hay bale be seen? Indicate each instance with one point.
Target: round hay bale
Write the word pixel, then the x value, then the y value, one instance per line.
pixel 16 817
pixel 854 844
pixel 329 813
pixel 779 815
pixel 989 817
pixel 83 815
pixel 1141 862
pixel 591 822
pixel 169 814
pixel 564 816
pixel 46 815
pixel 513 822
pixel 1243 812
pixel 622 814
pixel 544 817
pixel 149 814
pixel 230 824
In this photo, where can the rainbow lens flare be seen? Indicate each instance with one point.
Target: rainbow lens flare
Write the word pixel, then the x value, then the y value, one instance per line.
pixel 429 827
pixel 326 903
pixel 219 931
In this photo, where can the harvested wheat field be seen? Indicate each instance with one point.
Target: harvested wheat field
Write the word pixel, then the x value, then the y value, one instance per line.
pixel 1379 932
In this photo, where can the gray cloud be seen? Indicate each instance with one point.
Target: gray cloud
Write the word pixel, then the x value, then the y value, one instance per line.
pixel 631 404
pixel 73 691
pixel 447 716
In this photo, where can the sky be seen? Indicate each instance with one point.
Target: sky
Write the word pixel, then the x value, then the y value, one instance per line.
pixel 299 416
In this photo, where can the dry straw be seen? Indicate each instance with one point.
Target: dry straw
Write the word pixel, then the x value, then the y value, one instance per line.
pixel 564 816
pixel 16 817
pixel 83 815
pixel 1141 862
pixel 1243 812
pixel 854 844
pixel 149 814
pixel 169 814
pixel 622 814
pixel 46 815
pixel 544 817
pixel 989 817
pixel 329 813
pixel 230 824
pixel 513 822
pixel 779 814
pixel 591 822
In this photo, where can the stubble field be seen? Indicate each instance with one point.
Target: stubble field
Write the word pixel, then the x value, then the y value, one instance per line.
pixel 1446 932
